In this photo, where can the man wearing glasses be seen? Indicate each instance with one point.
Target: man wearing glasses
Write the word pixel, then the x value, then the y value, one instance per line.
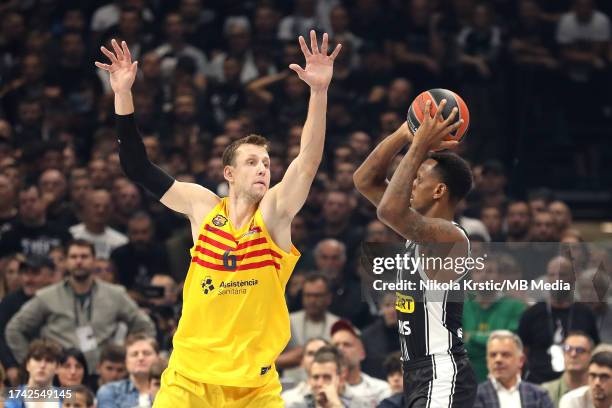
pixel 598 394
pixel 577 349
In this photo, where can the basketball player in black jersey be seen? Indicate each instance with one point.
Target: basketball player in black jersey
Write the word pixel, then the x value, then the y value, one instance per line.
pixel 419 203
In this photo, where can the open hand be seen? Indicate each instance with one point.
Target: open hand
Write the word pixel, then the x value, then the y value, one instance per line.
pixel 319 66
pixel 122 70
pixel 433 130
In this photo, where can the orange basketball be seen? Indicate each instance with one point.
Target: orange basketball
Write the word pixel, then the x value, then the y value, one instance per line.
pixel 417 110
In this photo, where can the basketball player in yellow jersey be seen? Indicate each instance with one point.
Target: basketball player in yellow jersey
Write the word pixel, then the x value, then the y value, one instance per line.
pixel 235 321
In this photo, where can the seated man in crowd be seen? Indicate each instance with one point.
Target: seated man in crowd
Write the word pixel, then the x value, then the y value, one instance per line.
pixel 111 366
pixel 504 388
pixel 301 389
pixel 326 382
pixel 64 311
pixel 348 340
pixel 577 349
pixel 314 320
pixel 598 394
pixel 42 360
pixel 141 352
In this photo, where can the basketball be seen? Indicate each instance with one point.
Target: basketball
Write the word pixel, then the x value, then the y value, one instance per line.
pixel 417 110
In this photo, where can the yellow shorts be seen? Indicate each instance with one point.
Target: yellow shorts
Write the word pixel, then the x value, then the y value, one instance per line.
pixel 177 391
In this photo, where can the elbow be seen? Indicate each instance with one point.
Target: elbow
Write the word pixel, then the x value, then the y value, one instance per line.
pixel 383 211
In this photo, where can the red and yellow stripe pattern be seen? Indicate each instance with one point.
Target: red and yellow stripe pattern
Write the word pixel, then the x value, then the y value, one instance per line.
pixel 235 320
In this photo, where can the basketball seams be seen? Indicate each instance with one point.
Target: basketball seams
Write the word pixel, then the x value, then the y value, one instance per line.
pixel 416 112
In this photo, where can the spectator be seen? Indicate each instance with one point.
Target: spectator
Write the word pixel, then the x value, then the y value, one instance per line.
pixel 367 388
pixel 327 387
pixel 64 311
pixel 518 220
pixel 299 390
pixel 485 312
pixel 313 321
pixel 111 367
pixel 32 233
pixel 157 369
pixel 598 394
pixel 380 338
pixel 395 378
pixel 504 388
pixel 562 217
pixel 105 270
pixel 54 188
pixel 41 361
pixel 9 274
pixel 141 352
pixel 544 325
pixel 142 257
pixel 330 259
pixel 126 202
pixel 577 349
pixel 35 272
pixel 588 282
pixel 8 209
pixel 300 22
pixel 492 217
pixel 94 227
pixel 81 397
pixel 175 47
pixel 72 369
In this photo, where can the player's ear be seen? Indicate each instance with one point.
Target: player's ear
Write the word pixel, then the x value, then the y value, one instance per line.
pixel 228 173
pixel 439 190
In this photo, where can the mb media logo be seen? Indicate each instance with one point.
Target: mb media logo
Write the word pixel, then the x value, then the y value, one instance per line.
pixel 207 285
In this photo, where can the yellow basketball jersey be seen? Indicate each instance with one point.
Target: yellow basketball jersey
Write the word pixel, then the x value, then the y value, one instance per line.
pixel 235 321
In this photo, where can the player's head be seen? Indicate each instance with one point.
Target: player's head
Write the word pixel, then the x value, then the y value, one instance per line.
pixel 444 179
pixel 246 165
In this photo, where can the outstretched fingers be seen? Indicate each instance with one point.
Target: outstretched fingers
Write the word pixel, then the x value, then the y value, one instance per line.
pixel 336 52
pixel 126 52
pixel 105 67
pixel 313 42
pixel 324 44
pixel 110 55
pixel 117 49
pixel 304 47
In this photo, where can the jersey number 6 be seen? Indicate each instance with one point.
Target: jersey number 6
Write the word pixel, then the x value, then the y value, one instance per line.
pixel 229 261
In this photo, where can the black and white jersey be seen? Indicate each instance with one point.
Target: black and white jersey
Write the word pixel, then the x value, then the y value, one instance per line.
pixel 429 321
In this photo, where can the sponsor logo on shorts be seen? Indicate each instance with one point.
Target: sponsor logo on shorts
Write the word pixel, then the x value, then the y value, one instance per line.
pixel 404 303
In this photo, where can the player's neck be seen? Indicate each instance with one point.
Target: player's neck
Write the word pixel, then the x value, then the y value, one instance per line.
pixel 240 210
pixel 439 211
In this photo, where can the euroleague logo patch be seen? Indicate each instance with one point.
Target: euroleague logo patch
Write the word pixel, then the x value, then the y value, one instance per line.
pixel 219 220
pixel 207 285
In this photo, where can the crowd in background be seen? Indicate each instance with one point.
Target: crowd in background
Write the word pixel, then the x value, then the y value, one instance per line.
pixel 534 74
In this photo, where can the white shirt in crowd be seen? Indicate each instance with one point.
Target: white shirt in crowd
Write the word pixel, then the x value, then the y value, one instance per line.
pixel 370 389
pixel 508 397
pixel 578 398
pixel 104 243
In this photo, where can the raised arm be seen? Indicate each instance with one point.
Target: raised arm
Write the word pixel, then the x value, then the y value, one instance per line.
pixel 285 199
pixel 135 163
pixel 394 209
pixel 371 177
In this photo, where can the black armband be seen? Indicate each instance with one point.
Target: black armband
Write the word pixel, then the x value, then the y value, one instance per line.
pixel 135 162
